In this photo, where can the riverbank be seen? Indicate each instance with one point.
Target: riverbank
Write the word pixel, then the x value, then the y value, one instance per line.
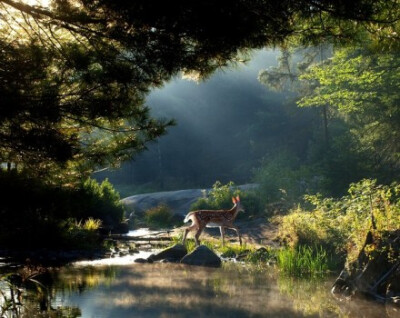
pixel 256 233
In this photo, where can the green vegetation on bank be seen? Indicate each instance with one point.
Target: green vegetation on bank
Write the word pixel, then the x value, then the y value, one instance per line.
pixel 318 235
pixel 160 216
pixel 220 197
pixel 45 215
pixel 303 261
pixel 73 102
pixel 340 226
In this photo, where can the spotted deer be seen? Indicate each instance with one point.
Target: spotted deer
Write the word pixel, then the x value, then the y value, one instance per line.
pixel 213 218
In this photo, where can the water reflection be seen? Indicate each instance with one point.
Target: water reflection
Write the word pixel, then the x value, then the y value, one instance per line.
pixel 180 291
pixel 173 290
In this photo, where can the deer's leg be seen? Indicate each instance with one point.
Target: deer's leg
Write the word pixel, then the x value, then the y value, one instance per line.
pixel 222 230
pixel 238 233
pixel 187 230
pixel 196 236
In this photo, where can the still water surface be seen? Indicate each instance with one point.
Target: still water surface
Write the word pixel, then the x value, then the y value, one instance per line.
pixel 174 290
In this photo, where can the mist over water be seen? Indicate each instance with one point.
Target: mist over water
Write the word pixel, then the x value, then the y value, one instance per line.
pixel 174 290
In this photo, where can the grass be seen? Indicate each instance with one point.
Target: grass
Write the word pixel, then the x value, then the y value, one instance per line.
pixel 303 261
pixel 92 224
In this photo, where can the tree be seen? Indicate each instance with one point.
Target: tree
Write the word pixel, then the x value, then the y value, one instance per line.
pixel 75 75
pixel 363 87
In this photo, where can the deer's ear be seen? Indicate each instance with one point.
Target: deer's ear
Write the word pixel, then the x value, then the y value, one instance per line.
pixel 237 198
pixel 234 200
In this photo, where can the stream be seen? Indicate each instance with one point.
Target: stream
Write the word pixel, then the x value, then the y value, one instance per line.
pixel 118 287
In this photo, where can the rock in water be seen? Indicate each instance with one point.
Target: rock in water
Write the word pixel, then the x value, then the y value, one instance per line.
pixel 175 252
pixel 141 260
pixel 202 256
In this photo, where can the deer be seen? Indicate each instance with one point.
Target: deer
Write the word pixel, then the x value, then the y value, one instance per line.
pixel 213 218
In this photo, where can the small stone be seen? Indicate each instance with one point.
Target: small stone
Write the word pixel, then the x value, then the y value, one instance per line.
pixel 133 251
pixel 141 260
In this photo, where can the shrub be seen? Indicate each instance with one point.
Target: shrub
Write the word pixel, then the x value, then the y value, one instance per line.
pixel 282 178
pixel 82 235
pixel 159 217
pixel 220 197
pixel 37 217
pixel 341 225
pixel 100 201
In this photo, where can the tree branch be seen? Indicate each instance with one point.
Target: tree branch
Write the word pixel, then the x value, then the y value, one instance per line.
pixel 40 12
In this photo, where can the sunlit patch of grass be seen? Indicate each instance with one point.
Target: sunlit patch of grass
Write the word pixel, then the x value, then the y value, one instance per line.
pixel 303 261
pixel 259 258
pixel 92 224
pixel 190 245
pixel 229 250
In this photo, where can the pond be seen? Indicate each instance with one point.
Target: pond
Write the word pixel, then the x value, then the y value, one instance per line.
pixel 175 290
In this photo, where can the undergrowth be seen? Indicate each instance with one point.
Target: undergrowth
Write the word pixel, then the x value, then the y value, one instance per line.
pixel 340 226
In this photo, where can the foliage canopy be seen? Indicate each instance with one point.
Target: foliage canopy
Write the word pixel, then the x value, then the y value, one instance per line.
pixel 74 75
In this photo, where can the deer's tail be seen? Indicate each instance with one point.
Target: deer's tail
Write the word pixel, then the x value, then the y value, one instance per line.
pixel 188 217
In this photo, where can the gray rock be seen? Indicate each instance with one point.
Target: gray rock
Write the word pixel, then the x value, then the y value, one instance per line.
pixel 133 251
pixel 170 260
pixel 179 201
pixel 141 260
pixel 202 256
pixel 175 252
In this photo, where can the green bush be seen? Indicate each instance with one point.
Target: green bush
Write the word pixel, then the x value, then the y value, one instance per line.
pixel 99 201
pixel 341 225
pixel 282 178
pixel 33 213
pixel 220 197
pixel 159 217
pixel 81 235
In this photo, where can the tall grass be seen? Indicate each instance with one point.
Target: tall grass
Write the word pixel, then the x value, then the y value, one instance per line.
pixel 304 261
pixel 92 224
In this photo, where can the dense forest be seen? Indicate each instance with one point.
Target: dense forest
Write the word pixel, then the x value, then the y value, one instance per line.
pixel 301 127
pixel 78 80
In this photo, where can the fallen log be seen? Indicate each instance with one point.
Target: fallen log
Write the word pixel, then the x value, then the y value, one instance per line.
pixel 140 238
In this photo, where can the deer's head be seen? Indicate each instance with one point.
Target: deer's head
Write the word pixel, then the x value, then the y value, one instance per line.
pixel 237 203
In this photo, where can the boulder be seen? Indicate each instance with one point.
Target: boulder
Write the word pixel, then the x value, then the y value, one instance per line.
pixel 179 201
pixel 172 253
pixel 202 256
